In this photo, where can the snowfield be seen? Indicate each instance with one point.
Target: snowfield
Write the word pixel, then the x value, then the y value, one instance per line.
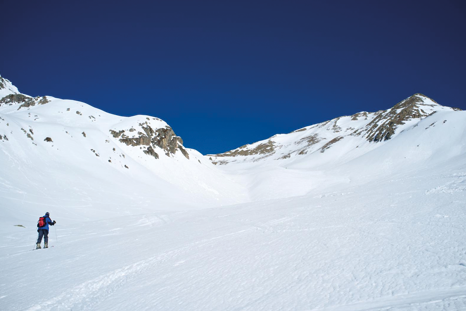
pixel 374 227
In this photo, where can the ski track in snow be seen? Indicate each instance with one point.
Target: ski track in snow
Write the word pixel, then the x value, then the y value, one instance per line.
pixel 89 293
pixel 454 299
pixel 457 185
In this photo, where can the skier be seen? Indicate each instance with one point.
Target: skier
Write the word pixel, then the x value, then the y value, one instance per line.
pixel 44 231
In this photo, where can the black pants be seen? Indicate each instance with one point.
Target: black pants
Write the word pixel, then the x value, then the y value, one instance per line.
pixel 43 233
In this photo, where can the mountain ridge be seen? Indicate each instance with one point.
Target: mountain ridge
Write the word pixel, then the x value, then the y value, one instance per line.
pixel 128 156
pixel 374 127
pixel 142 154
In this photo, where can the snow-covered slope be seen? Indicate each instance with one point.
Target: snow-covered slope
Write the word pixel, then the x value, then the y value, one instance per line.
pixel 328 153
pixel 7 88
pixel 64 153
pixel 359 213
pixel 335 140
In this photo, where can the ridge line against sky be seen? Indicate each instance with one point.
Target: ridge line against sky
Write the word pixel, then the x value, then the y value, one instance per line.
pixel 226 74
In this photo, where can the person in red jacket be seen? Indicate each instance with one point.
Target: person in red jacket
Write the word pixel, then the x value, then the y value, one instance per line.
pixel 44 231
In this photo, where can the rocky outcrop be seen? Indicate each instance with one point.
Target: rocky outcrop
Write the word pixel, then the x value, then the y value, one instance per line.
pixel 386 122
pixel 267 148
pixel 14 98
pixel 151 139
pixel 150 151
pixel 330 143
pixel 374 127
pixel 7 88
pixel 25 101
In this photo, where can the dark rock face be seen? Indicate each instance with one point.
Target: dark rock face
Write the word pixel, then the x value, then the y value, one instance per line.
pixel 48 139
pixel 15 98
pixel 164 138
pixel 24 100
pixel 385 123
pixel 167 140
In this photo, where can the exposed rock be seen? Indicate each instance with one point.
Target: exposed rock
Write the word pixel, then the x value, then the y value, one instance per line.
pixel 15 98
pixel 150 151
pixel 167 140
pixel 25 101
pixel 286 156
pixel 164 138
pixel 184 152
pixel 267 148
pixel 43 100
pixel 137 141
pixel 330 143
pixel 336 128
pixel 116 134
pixel 300 130
pixel 357 116
pixel 84 134
pixel 309 140
pixel 222 162
pixel 48 139
pixel 385 123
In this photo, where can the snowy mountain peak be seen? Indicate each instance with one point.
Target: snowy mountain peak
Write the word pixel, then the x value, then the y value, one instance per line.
pixel 7 88
pixel 415 101
pixel 150 135
pixel 336 136
pixel 415 107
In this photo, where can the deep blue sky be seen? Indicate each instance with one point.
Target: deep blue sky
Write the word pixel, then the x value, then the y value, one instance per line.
pixel 227 73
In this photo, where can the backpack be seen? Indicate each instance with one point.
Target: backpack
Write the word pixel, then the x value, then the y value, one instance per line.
pixel 42 222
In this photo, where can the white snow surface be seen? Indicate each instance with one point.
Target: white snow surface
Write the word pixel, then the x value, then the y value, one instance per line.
pixel 7 88
pixel 377 227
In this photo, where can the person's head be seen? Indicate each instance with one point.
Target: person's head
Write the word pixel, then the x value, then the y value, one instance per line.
pixel 47 214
